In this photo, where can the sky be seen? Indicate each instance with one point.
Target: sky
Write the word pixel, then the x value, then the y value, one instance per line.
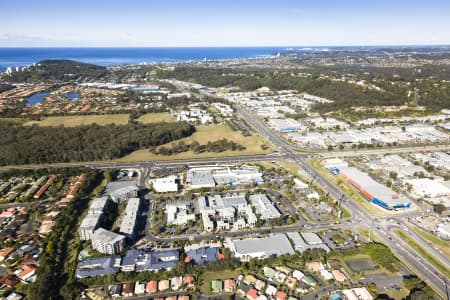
pixel 219 23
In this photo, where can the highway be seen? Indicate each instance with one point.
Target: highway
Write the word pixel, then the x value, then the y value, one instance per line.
pixel 152 164
pixel 421 267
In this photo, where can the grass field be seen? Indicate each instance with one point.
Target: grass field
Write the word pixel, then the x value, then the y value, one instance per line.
pixel 422 252
pixel 205 279
pixel 203 135
pixel 156 117
pixel 345 259
pixel 363 232
pixel 359 265
pixel 440 244
pixel 14 120
pixel 71 121
pixel 288 165
pixel 398 294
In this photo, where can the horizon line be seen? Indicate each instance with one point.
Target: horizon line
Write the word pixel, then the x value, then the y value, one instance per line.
pixel 241 46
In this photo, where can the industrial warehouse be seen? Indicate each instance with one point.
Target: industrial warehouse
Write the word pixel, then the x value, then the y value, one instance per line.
pixel 370 189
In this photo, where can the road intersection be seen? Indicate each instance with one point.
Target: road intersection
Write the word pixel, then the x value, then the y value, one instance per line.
pixel 423 268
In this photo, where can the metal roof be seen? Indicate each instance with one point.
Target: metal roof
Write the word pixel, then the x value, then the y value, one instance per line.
pixel 277 244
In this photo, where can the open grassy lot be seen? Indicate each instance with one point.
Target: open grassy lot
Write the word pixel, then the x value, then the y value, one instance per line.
pixel 14 120
pixel 363 232
pixel 288 165
pixel 440 244
pixel 398 294
pixel 349 261
pixel 422 252
pixel 203 135
pixel 205 279
pixel 156 117
pixel 359 265
pixel 71 121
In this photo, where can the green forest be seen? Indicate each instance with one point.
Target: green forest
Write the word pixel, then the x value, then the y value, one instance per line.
pixel 57 70
pixel 27 145
pixel 435 95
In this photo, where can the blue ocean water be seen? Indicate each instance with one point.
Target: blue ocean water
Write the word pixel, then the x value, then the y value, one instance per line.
pixel 17 57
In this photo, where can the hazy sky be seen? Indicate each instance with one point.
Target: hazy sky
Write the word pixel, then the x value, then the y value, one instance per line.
pixel 223 22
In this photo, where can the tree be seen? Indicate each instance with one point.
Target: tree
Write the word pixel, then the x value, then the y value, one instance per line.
pixel 439 208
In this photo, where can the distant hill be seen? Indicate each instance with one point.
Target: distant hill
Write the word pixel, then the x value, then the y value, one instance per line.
pixel 57 70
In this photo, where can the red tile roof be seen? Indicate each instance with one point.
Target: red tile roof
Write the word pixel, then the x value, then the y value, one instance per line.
pixel 152 286
pixel 252 294
pixel 280 295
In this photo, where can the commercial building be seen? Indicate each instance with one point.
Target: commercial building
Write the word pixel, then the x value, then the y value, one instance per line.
pixel 285 125
pixel 327 123
pixel 195 115
pixel 108 242
pixel 357 294
pixel 179 213
pixel 224 109
pixel 228 212
pixel 307 240
pixel 129 217
pixel 237 175
pixel 200 178
pixel 394 163
pixel 273 245
pixel 264 207
pixel 98 266
pixel 370 189
pixel 137 260
pixel 208 177
pixel 428 188
pixel 166 184
pixel 444 231
pixel 202 255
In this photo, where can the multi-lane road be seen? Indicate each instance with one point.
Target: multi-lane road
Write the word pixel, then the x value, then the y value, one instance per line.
pixel 153 164
pixel 413 259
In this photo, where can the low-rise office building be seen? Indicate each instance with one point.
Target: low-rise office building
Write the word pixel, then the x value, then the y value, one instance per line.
pixel 285 125
pixel 208 177
pixel 264 207
pixel 98 266
pixel 166 184
pixel 179 213
pixel 273 245
pixel 137 260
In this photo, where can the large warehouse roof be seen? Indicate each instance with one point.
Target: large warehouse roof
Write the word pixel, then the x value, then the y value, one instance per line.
pixel 371 188
pixel 277 244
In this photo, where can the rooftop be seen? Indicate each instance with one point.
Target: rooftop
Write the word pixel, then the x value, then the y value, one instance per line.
pixel 98 266
pixel 105 236
pixel 277 244
pixel 202 255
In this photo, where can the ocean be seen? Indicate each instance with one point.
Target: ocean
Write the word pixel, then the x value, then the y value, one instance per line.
pixel 18 57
